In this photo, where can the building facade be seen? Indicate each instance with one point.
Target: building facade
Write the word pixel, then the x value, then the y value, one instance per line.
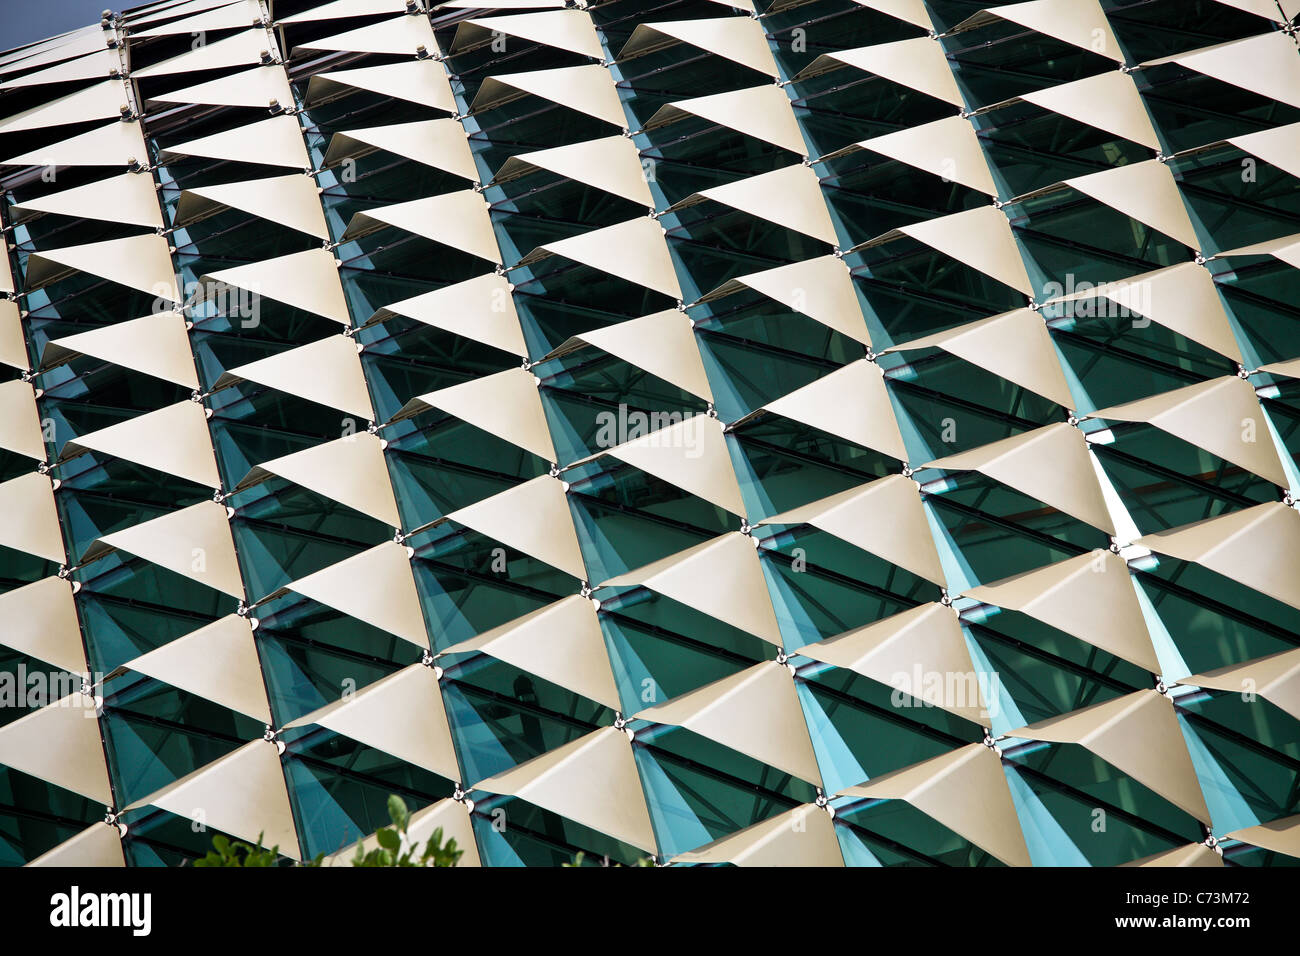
pixel 846 432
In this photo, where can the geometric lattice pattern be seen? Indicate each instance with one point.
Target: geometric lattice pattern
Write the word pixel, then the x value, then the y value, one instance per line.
pixel 846 432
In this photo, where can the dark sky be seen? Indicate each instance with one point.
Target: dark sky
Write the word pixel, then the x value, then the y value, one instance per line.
pixel 22 21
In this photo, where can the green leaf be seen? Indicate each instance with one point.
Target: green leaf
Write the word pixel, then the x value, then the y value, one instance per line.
pixel 388 839
pixel 397 811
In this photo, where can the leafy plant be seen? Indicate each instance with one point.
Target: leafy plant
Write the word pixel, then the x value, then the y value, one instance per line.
pixel 225 852
pixel 397 849
pixel 580 856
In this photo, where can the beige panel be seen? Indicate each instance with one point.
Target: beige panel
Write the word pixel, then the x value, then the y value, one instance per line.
pixel 242 793
pixel 139 262
pixel 763 112
pixel 13 347
pixel 691 454
pixel 1014 345
pixel 592 780
pixel 99 845
pixel 480 309
pixel 506 404
pixel 253 88
pixel 292 201
pixel 1222 415
pixel 966 790
pixel 925 639
pixel 349 470
pixel 156 345
pixel 1275 678
pixel 1278 147
pixel 31 520
pixel 59 743
pixel 1182 298
pixel 561 643
pixel 460 220
pixel 67 45
pixel 1080 23
pixel 634 250
pixel 448 815
pixel 503 4
pixel 1139 735
pixel 454 820
pixel 1266 64
pixel 1090 597
pixel 722 578
pixel 128 198
pixel 375 586
pixel 242 49
pixel 271 142
pixel 739 39
pixel 229 15
pixel 41 622
pixel 1049 463
pixel 194 542
pixel 532 517
pixel 420 735
pixel 75 43
pixel 327 372
pixel 884 517
pixel 173 439
pixel 1287 369
pixel 140 17
pixel 980 238
pixel 587 89
pixel 571 30
pixel 790 197
pixel 20 421
pixel 1258 547
pixel 820 288
pixel 8 308
pixel 611 163
pixel 340 9
pixel 416 81
pixel 804 836
pixel 1194 854
pixel 1145 192
pixel 661 344
pixel 89 67
pixel 851 403
pixel 1108 101
pixel 306 280
pixel 948 148
pixel 113 145
pixel 217 662
pixel 918 64
pixel 400 36
pixel 440 143
pixel 1280 836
